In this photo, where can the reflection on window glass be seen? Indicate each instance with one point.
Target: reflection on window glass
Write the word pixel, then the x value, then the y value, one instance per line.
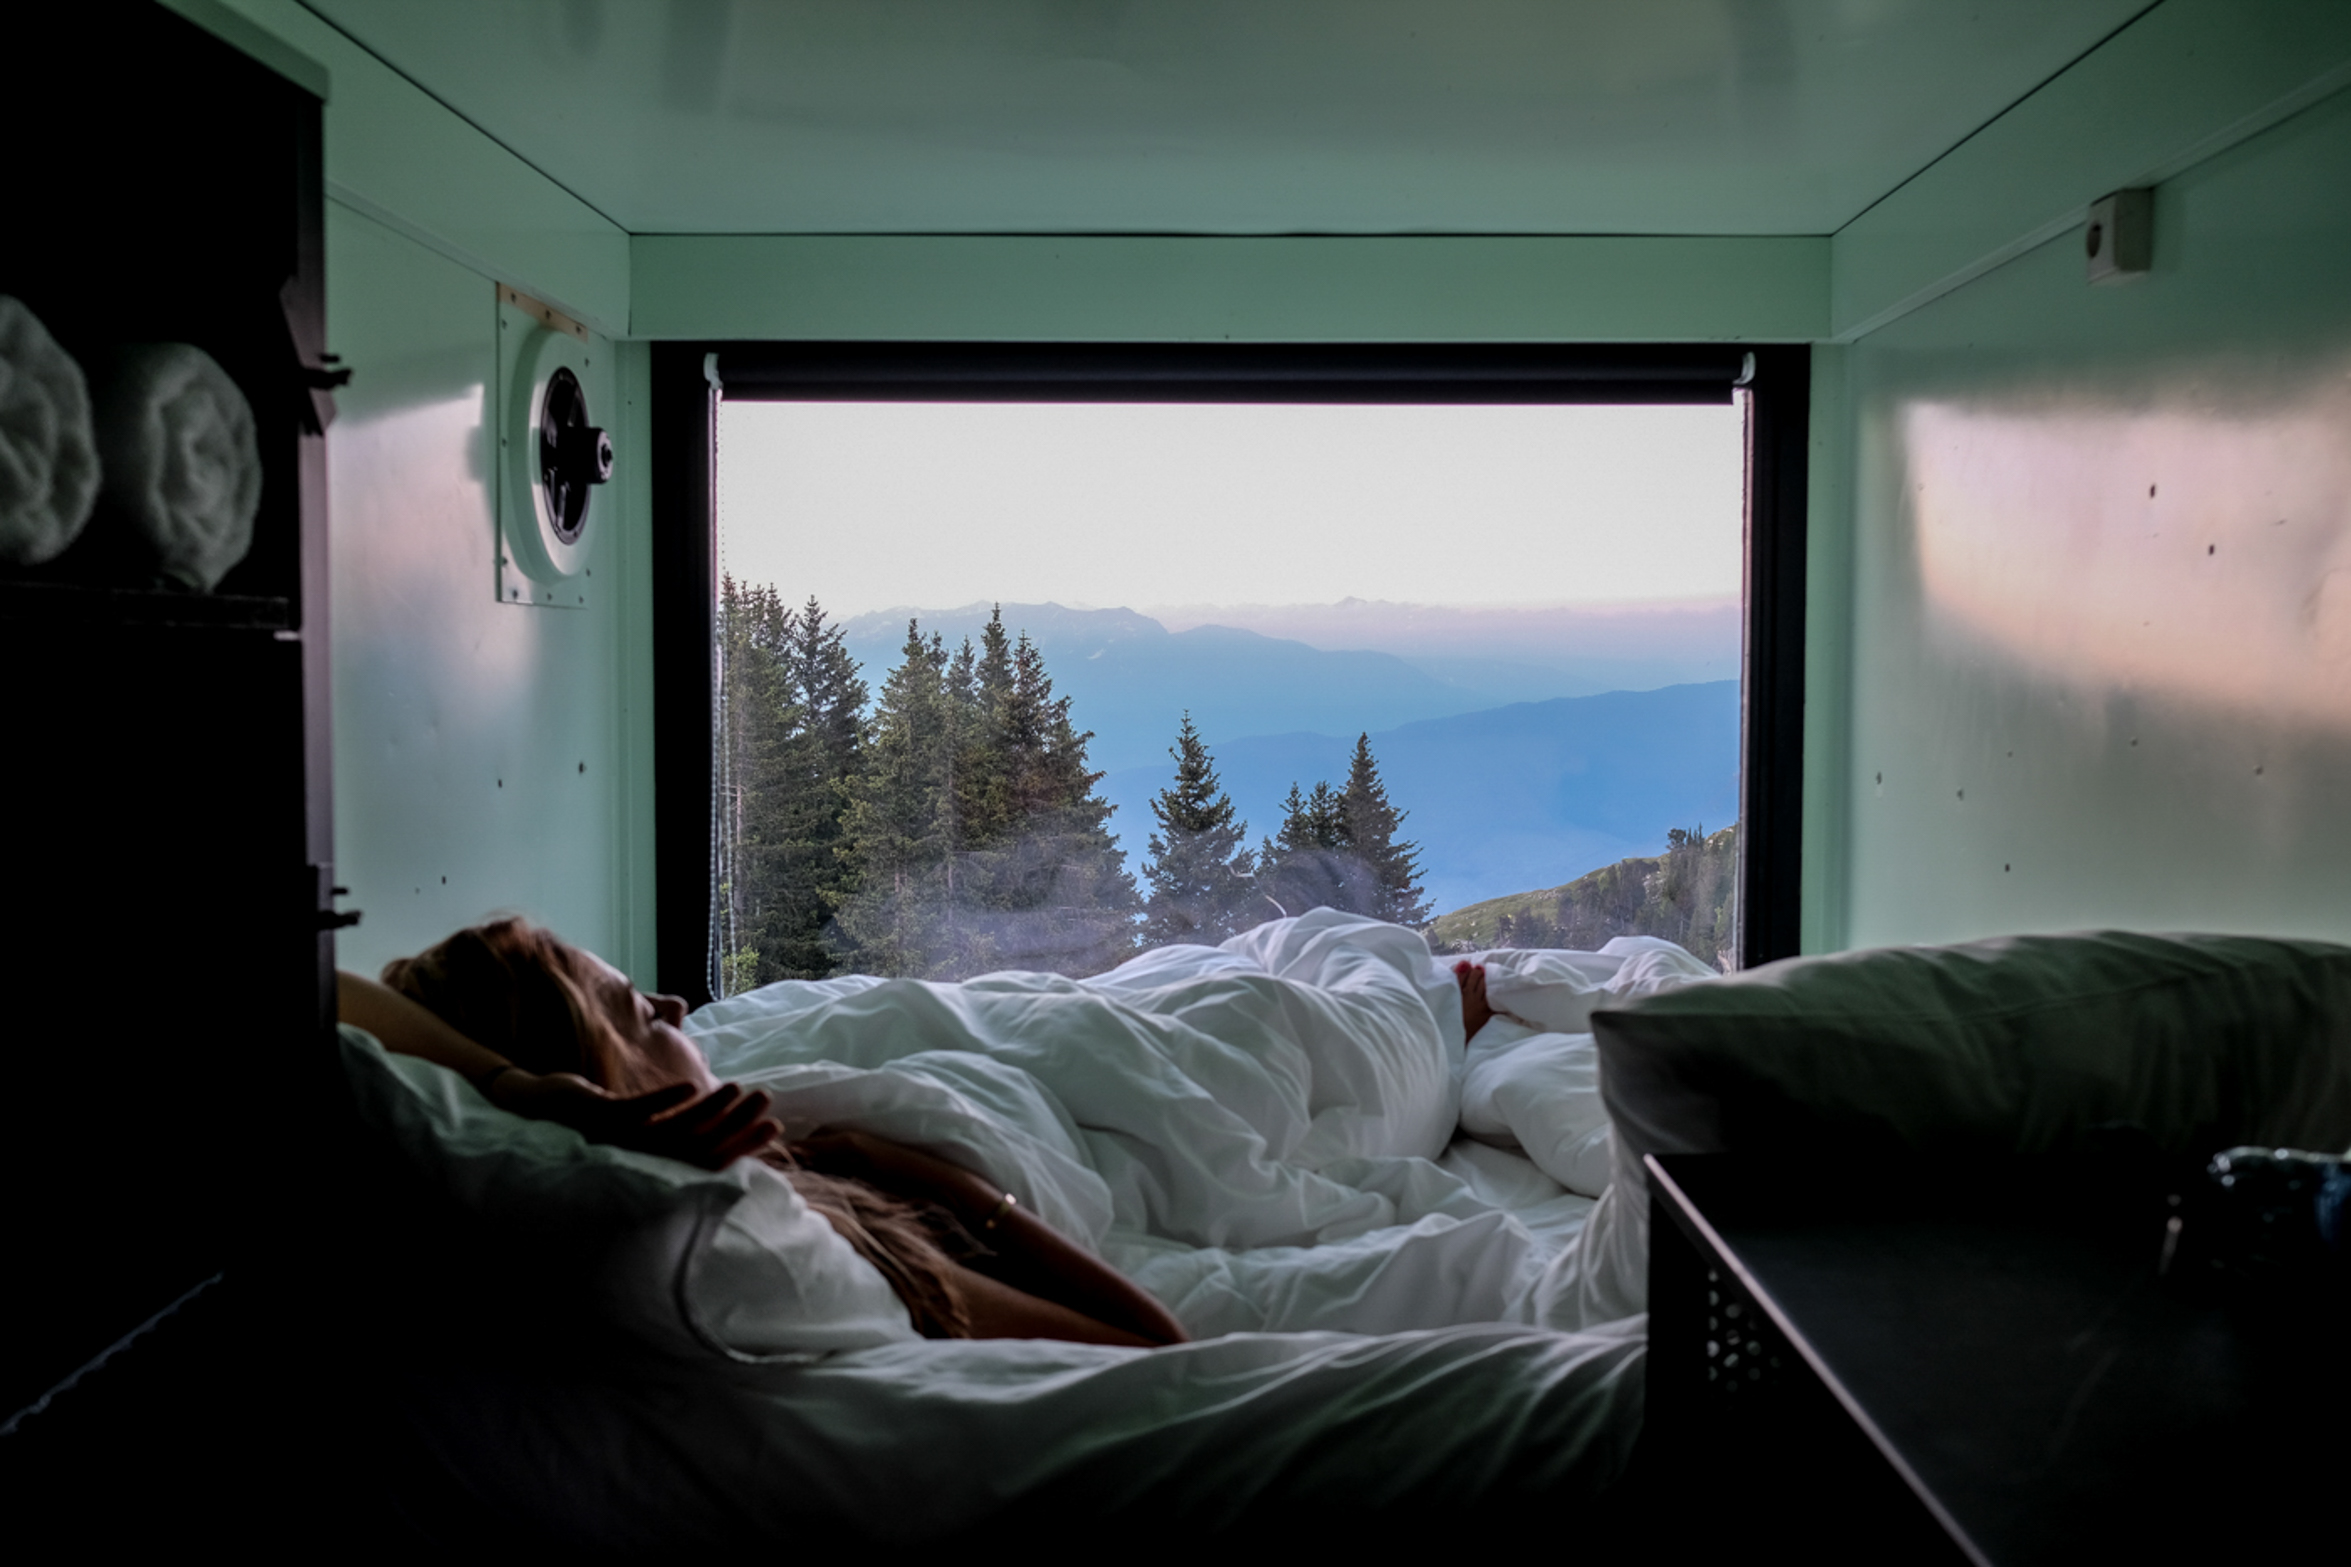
pixel 1045 685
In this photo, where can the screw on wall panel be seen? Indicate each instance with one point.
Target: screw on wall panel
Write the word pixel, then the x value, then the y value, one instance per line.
pixel 2209 548
pixel 583 767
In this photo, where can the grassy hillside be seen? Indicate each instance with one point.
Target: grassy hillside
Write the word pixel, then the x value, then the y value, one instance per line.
pixel 1687 895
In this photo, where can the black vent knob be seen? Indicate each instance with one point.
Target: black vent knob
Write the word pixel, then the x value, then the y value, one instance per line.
pixel 573 454
pixel 585 454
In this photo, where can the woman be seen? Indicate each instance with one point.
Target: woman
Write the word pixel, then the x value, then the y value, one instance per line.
pixel 545 1030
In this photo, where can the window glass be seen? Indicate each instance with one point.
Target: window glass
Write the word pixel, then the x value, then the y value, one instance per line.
pixel 1043 685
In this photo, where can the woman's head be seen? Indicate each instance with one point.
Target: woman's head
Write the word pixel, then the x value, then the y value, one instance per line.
pixel 549 1007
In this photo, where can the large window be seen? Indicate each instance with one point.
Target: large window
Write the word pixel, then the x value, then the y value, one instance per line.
pixel 1038 659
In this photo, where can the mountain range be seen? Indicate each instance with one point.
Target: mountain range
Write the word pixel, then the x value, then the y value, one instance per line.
pixel 1503 793
pixel 1529 795
pixel 1322 668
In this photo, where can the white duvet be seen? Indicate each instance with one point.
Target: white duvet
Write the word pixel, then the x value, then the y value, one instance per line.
pixel 1284 1133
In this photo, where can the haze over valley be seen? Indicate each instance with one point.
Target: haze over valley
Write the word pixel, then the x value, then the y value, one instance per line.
pixel 1521 742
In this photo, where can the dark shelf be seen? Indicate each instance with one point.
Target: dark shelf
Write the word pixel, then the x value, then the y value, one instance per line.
pixel 1990 1336
pixel 72 603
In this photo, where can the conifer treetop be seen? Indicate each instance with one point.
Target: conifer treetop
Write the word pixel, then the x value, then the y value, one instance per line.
pixel 1202 888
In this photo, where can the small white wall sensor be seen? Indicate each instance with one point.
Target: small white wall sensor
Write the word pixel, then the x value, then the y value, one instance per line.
pixel 551 454
pixel 2119 242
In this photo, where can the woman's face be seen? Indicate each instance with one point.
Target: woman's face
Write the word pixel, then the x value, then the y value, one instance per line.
pixel 648 1023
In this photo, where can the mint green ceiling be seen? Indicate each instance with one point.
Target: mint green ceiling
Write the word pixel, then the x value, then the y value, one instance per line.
pixel 1229 116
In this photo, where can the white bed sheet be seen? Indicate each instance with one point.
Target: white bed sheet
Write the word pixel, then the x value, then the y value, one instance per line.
pixel 1268 1137
pixel 915 1442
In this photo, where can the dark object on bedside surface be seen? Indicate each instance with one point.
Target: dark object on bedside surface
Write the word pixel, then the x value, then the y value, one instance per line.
pixel 1911 1359
pixel 2263 1231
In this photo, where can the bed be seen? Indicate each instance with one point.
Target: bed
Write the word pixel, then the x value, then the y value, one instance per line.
pixel 1414 1265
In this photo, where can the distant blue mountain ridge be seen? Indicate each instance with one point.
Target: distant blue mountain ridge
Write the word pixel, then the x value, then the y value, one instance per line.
pixel 1502 795
pixel 1130 680
pixel 1530 795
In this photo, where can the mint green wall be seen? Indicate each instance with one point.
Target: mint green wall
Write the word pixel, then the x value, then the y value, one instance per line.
pixel 2089 704
pixel 488 757
pixel 1193 288
pixel 2183 82
pixel 1828 652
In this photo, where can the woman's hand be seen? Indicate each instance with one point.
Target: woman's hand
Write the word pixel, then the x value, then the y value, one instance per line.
pixel 712 1130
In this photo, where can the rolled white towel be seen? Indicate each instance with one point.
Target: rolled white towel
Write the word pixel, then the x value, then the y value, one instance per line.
pixel 183 472
pixel 48 460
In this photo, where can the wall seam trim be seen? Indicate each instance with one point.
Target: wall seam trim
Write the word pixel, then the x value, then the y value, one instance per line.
pixel 455 113
pixel 2318 89
pixel 248 37
pixel 343 195
pixel 2034 91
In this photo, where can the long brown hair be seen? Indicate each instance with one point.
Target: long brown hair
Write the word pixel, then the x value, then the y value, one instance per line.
pixel 521 991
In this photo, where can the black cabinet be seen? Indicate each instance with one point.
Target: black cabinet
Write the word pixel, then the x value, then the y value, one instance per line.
pixel 1875 1359
pixel 166 841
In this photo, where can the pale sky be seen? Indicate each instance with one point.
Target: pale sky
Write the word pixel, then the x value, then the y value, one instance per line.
pixel 934 505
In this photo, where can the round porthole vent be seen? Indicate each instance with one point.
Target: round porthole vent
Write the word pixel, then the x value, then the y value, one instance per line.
pixel 574 455
pixel 552 454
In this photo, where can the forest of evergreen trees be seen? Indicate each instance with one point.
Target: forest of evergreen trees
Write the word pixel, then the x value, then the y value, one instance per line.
pixel 949 824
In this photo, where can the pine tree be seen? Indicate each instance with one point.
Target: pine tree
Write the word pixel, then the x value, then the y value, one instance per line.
pixel 757 722
pixel 825 681
pixel 974 826
pixel 984 787
pixel 1338 848
pixel 1201 888
pixel 899 827
pixel 809 873
pixel 1368 826
pixel 1307 864
pixel 1057 887
pixel 789 730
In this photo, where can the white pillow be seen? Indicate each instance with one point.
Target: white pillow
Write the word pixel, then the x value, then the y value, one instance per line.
pixel 692 1261
pixel 1540 1094
pixel 2010 1045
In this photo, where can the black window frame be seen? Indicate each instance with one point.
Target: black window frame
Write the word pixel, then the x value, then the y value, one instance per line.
pixel 686 382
